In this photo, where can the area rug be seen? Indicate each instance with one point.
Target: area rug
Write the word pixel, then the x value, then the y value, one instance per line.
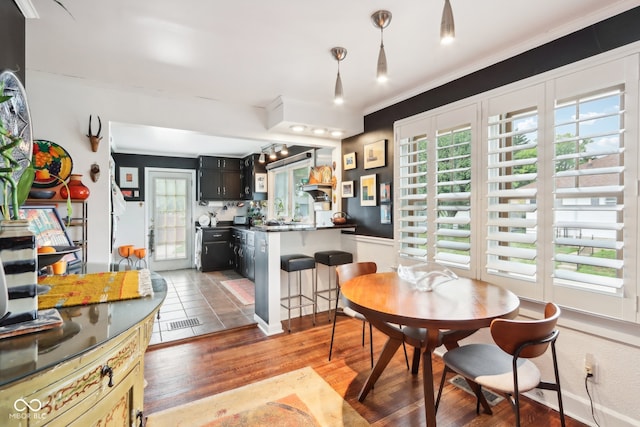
pixel 295 399
pixel 83 289
pixel 243 289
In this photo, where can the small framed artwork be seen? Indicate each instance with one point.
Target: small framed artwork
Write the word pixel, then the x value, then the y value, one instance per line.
pixel 261 183
pixel 349 161
pixel 375 154
pixel 385 214
pixel 385 192
pixel 131 194
pixel 368 190
pixel 347 189
pixel 128 177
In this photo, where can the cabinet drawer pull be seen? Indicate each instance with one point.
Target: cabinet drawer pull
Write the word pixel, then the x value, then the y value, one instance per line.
pixel 106 370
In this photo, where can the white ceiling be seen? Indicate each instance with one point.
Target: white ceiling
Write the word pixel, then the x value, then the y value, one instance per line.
pixel 250 52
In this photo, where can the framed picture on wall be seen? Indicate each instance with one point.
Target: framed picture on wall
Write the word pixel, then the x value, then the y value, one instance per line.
pixel 128 177
pixel 385 214
pixel 368 190
pixel 349 161
pixel 347 189
pixel 375 154
pixel 385 192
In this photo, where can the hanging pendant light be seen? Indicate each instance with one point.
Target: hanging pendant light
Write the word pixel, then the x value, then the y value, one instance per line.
pixel 261 159
pixel 381 19
pixel 339 53
pixel 284 150
pixel 272 153
pixel 447 26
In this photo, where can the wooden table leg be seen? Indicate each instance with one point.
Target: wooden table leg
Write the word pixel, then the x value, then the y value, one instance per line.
pixel 389 350
pixel 427 377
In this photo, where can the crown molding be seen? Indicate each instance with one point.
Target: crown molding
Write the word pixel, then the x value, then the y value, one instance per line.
pixel 27 8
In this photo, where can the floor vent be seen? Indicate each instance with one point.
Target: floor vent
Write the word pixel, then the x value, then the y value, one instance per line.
pixel 184 323
pixel 461 383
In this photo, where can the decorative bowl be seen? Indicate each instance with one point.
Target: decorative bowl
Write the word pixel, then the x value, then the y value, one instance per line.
pixel 425 276
pixel 41 194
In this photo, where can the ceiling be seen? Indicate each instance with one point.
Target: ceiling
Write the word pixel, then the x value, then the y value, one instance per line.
pixel 253 52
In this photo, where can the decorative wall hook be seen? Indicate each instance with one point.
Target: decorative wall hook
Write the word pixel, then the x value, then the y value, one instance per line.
pixel 94 139
pixel 95 172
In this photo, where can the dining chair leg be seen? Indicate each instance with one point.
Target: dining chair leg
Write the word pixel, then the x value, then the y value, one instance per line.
pixel 442 380
pixel 406 358
pixel 371 343
pixel 333 328
pixel 415 364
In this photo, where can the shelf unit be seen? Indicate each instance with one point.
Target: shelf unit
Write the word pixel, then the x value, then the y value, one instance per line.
pixel 76 226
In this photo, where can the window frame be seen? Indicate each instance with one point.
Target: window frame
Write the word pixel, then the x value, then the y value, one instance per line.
pixel 543 91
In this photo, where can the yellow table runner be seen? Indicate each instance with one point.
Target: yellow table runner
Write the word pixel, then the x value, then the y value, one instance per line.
pixel 83 289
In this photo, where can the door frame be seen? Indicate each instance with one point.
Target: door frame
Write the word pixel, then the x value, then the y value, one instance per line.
pixel 147 219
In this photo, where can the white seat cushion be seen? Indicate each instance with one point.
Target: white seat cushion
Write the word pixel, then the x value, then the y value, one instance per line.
pixel 491 367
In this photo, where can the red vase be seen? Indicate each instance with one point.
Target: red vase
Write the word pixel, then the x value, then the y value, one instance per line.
pixel 77 189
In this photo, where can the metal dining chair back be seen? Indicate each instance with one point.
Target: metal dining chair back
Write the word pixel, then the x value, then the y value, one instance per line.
pixel 504 367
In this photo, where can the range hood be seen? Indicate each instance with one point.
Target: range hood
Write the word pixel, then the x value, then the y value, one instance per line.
pixel 319 192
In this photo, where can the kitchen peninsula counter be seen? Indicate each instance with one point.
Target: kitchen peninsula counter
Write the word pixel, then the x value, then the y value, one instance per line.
pixel 273 241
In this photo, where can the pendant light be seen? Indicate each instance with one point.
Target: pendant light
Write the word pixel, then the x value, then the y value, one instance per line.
pixel 447 26
pixel 272 153
pixel 261 159
pixel 381 19
pixel 284 150
pixel 339 53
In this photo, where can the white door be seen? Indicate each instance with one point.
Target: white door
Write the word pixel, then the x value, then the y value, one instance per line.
pixel 170 197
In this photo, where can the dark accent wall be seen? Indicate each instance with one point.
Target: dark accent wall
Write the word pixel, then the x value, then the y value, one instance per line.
pixel 142 161
pixel 12 33
pixel 606 35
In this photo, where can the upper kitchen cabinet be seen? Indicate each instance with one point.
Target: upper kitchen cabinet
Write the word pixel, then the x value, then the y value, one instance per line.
pixel 219 178
pixel 254 178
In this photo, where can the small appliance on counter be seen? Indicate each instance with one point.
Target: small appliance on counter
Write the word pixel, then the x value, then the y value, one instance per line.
pixel 240 220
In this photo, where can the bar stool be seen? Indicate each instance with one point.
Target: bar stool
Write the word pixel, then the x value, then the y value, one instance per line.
pixel 330 259
pixel 290 264
pixel 140 253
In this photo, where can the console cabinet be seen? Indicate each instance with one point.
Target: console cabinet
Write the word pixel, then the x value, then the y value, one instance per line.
pixel 89 371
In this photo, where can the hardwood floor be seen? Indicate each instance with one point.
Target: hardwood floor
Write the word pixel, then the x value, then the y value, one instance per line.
pixel 182 372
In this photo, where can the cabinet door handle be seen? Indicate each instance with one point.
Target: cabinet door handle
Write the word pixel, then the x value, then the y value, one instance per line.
pixel 106 370
pixel 206 250
pixel 218 190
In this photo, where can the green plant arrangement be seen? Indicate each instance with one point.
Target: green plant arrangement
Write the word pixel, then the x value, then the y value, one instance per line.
pixel 14 193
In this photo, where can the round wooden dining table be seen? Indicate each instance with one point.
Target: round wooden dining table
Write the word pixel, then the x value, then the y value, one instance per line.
pixel 459 304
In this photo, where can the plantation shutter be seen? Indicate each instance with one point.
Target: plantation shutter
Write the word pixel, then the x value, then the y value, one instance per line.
pixel 589 199
pixel 412 189
pixel 512 191
pixel 453 197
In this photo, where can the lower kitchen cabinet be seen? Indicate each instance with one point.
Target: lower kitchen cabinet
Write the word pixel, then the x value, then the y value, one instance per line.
pixel 216 254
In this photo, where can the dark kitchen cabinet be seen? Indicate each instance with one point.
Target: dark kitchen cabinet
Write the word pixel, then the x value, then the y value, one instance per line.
pixel 219 178
pixel 243 252
pixel 251 168
pixel 216 254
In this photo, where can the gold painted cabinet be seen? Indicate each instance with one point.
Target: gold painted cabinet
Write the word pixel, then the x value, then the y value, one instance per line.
pixel 100 379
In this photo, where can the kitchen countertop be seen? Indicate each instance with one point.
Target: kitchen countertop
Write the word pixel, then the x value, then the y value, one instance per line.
pixel 302 227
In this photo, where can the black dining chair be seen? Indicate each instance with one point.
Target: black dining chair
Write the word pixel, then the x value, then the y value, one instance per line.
pixel 505 366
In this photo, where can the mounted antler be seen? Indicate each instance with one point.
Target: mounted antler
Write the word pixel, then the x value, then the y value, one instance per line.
pixel 94 139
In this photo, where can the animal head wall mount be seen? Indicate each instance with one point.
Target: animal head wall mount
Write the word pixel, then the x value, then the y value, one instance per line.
pixel 94 139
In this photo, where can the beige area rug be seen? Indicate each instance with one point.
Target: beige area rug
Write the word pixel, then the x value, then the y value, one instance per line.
pixel 243 289
pixel 295 399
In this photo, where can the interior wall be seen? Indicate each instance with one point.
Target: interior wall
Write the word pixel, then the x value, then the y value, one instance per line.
pixel 12 28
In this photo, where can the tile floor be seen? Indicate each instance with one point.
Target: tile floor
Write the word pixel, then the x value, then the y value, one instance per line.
pixel 198 304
